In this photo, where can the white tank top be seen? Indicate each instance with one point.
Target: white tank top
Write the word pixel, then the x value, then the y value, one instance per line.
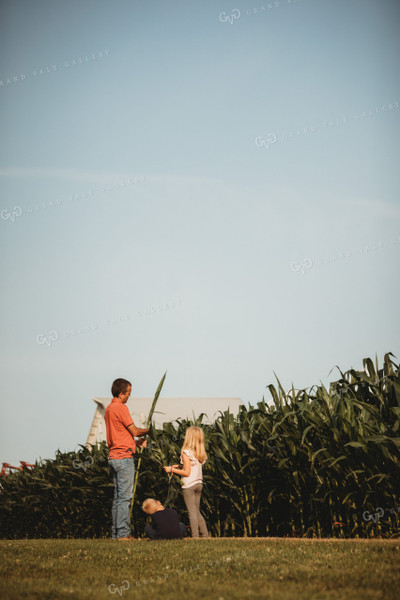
pixel 196 471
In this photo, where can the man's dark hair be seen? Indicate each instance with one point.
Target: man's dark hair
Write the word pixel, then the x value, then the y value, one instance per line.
pixel 119 386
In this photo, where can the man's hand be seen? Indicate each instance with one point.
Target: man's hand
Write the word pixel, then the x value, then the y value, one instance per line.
pixel 142 443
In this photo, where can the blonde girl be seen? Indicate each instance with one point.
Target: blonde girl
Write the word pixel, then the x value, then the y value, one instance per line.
pixel 193 456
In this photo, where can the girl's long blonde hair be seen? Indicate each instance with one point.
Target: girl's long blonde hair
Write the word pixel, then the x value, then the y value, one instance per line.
pixel 194 440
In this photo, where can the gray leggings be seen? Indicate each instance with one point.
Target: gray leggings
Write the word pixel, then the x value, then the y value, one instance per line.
pixel 192 497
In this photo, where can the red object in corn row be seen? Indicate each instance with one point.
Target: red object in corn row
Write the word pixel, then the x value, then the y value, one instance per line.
pixel 6 467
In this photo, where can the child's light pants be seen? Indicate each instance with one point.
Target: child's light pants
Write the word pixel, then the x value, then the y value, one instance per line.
pixel 192 497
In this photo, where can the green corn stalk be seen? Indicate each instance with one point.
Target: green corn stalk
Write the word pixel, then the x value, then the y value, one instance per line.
pixel 152 409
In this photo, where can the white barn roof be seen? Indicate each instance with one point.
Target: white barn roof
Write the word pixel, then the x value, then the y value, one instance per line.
pixel 167 409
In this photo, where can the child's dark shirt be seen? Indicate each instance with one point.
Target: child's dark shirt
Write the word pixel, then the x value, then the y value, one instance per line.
pixel 166 523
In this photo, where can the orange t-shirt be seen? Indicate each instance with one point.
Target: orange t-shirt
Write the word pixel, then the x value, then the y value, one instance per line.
pixel 120 442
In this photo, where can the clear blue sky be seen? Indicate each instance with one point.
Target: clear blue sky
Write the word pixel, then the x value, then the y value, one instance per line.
pixel 234 164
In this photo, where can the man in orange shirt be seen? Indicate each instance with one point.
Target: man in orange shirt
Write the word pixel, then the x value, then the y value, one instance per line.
pixel 121 432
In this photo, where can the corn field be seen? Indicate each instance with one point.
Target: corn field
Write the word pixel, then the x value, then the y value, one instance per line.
pixel 315 462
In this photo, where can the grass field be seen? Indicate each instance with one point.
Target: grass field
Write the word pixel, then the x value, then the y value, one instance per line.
pixel 220 569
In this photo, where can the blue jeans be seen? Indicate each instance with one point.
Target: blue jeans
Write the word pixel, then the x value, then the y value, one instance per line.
pixel 123 472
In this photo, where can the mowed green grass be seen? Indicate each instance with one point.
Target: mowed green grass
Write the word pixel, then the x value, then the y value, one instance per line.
pixel 220 569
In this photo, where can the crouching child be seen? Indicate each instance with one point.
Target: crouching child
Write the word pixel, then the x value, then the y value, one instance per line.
pixel 164 521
